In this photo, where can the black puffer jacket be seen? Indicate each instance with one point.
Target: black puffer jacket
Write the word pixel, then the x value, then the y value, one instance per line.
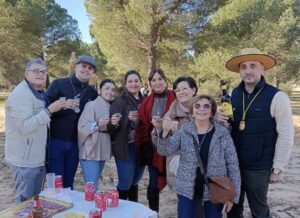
pixel 64 122
pixel 119 134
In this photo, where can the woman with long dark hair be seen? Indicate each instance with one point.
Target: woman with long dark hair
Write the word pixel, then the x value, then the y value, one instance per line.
pixel 122 125
pixel 152 110
pixel 93 138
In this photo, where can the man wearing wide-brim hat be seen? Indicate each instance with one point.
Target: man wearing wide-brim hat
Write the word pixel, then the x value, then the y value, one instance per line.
pixel 262 129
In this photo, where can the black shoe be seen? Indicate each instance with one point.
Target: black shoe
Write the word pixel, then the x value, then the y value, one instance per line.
pixel 123 194
pixel 133 193
pixel 153 198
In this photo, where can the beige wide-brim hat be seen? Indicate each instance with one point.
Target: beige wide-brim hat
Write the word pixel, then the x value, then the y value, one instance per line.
pixel 250 54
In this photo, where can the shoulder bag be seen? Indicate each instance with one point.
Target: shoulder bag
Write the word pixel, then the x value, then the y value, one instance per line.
pixel 220 188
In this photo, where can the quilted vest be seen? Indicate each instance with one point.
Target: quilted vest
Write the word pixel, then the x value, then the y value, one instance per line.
pixel 255 145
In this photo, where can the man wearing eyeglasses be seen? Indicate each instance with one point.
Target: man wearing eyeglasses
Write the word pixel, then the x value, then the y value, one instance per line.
pixel 63 153
pixel 26 123
pixel 262 130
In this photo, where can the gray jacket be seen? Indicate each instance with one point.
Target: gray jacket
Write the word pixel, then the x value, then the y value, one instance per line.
pixel 26 124
pixel 222 158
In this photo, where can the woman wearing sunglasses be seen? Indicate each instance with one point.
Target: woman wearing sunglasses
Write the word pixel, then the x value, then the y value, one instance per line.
pixel 216 150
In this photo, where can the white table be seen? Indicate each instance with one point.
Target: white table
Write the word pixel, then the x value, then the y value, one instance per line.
pixel 126 209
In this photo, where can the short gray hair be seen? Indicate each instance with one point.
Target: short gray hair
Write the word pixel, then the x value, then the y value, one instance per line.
pixel 35 61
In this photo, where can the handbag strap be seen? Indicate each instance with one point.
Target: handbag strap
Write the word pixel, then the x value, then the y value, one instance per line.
pixel 202 169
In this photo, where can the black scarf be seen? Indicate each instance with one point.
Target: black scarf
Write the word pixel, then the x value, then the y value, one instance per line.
pixel 39 94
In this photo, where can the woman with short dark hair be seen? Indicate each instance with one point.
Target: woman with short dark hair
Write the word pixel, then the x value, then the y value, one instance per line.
pixel 185 88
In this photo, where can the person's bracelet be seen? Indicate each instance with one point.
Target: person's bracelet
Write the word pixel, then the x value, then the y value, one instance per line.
pixel 48 112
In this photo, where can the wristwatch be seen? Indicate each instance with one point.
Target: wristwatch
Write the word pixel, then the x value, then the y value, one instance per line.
pixel 276 171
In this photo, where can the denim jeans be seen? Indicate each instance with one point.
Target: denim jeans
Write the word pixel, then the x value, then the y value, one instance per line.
pixel 92 170
pixel 187 208
pixel 255 184
pixel 129 171
pixel 153 176
pixel 27 181
pixel 63 160
pixel 212 210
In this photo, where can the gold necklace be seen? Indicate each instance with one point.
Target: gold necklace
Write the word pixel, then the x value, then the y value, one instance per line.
pixel 242 125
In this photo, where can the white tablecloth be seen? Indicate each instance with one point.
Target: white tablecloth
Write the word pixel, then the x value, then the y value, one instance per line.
pixel 126 209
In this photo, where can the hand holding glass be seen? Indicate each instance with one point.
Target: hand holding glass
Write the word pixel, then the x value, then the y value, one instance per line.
pixel 115 118
pixel 157 121
pixel 133 115
pixel 103 121
pixel 77 99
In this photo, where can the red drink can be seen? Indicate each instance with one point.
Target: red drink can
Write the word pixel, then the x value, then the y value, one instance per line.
pixel 112 198
pixel 95 213
pixel 100 200
pixel 58 181
pixel 89 191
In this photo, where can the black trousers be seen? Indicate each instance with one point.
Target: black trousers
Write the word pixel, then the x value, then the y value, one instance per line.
pixel 255 185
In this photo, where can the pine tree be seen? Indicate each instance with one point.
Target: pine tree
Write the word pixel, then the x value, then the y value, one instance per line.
pixel 144 35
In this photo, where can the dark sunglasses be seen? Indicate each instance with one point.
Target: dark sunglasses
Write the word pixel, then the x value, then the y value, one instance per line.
pixel 198 106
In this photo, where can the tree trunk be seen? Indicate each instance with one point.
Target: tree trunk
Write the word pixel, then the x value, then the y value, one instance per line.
pixel 152 57
pixel 72 63
pixel 42 56
pixel 275 81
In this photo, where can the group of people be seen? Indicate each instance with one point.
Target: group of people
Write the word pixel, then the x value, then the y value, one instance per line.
pixel 165 131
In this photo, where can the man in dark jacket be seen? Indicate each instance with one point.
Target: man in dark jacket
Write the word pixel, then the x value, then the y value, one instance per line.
pixel 262 130
pixel 63 148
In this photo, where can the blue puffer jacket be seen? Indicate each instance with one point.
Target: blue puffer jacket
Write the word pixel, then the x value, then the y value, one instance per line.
pixel 222 158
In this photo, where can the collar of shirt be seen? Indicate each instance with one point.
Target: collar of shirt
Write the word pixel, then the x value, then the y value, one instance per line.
pixel 258 86
pixel 76 82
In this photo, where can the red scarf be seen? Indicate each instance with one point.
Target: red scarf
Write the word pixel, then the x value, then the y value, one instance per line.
pixel 143 133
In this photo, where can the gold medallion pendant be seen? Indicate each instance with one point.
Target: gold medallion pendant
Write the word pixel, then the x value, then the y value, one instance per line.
pixel 242 125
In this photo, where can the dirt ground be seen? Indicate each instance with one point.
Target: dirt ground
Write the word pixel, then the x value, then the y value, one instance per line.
pixel 284 198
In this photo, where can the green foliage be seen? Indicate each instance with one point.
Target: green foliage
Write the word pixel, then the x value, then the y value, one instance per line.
pixel 134 34
pixel 210 65
pixel 272 26
pixel 183 37
pixel 143 35
pixel 12 41
pixel 33 28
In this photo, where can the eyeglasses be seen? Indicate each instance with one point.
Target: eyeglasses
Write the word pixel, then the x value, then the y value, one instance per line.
pixel 204 106
pixel 37 72
pixel 181 90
